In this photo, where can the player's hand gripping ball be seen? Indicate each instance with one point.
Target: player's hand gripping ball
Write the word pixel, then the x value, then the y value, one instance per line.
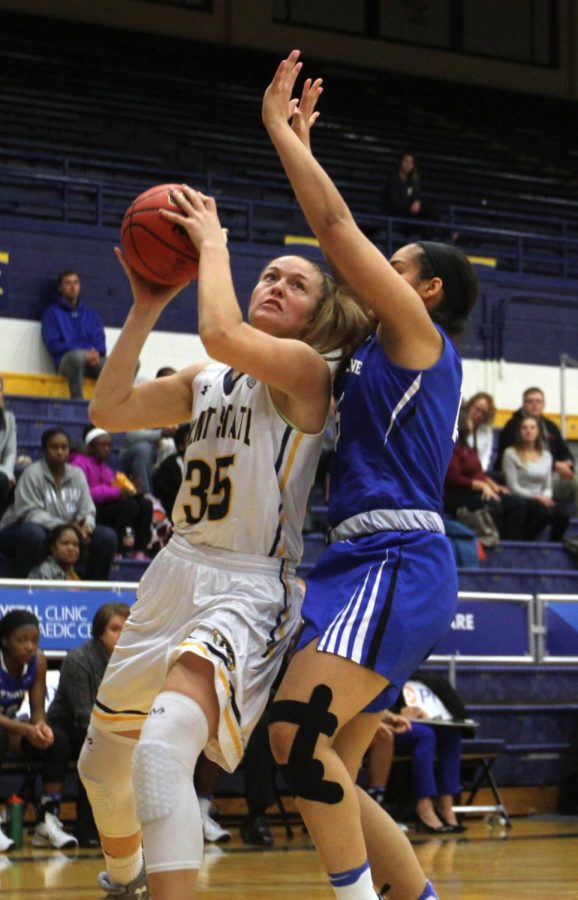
pixel 154 247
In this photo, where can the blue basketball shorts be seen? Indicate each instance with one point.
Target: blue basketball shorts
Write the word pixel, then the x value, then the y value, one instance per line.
pixel 384 601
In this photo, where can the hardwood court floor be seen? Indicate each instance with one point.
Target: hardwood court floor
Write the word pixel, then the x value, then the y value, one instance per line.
pixel 536 858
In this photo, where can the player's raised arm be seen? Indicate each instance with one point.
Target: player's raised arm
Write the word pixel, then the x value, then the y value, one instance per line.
pixel 120 405
pixel 269 348
pixel 409 333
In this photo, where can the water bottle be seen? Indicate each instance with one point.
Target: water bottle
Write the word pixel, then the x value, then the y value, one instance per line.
pixel 128 539
pixel 15 810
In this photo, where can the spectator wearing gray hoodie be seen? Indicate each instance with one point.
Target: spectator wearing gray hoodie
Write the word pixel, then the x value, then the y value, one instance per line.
pixel 51 492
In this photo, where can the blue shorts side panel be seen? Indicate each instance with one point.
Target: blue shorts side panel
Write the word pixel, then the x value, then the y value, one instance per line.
pixel 384 601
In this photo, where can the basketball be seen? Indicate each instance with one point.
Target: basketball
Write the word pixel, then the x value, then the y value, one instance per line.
pixel 156 248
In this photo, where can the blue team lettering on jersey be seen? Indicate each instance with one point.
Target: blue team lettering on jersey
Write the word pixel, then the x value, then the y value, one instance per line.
pixel 395 430
pixel 13 690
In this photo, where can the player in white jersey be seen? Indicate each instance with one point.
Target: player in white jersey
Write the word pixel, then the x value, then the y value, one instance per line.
pixel 383 593
pixel 215 610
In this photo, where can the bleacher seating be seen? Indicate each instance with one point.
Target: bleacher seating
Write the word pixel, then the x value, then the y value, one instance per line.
pixel 91 137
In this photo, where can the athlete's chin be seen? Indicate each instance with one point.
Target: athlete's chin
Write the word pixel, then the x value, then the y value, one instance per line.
pixel 270 323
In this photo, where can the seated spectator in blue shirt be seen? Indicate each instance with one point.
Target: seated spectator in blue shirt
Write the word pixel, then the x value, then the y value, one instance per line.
pixel 7 452
pixel 51 492
pixel 73 334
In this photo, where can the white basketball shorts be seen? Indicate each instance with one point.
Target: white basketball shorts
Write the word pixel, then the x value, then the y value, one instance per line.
pixel 235 610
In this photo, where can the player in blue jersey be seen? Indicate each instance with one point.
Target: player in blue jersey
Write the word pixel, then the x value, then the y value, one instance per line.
pixel 385 591
pixel 23 673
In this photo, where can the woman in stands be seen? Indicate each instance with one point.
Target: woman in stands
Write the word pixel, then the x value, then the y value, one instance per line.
pixel 385 591
pixel 481 411
pixel 527 469
pixel 69 713
pixel 64 545
pixel 118 504
pixel 217 606
pixel 22 672
pixel 468 488
pixel 51 492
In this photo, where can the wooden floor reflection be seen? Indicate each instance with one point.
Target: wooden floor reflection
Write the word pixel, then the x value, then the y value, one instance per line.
pixel 536 858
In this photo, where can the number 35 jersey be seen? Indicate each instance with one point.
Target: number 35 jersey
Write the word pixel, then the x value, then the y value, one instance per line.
pixel 247 471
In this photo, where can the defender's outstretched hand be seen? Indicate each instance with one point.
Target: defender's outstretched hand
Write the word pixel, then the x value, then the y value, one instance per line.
pixel 276 107
pixel 303 112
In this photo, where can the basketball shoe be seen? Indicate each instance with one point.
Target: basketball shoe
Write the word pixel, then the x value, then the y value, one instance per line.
pixel 137 889
pixel 5 842
pixel 212 831
pixel 50 833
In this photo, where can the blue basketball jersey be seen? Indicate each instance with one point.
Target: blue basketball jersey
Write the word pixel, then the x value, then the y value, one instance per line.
pixel 13 690
pixel 395 430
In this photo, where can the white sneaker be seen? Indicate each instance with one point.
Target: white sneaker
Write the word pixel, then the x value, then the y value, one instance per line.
pixel 213 833
pixel 50 833
pixel 5 842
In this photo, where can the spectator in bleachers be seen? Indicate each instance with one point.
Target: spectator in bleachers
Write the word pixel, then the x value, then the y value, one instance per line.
pixel 64 545
pixel 168 476
pixel 259 769
pixel 73 334
pixel 23 671
pixel 565 482
pixel 528 473
pixel 7 451
pixel 69 712
pixel 470 490
pixel 380 754
pixel 401 192
pixel 117 502
pixel 207 776
pixel 481 412
pixel 434 748
pixel 146 448
pixel 51 492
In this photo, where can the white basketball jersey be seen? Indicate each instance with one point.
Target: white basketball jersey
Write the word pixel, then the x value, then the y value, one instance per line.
pixel 247 472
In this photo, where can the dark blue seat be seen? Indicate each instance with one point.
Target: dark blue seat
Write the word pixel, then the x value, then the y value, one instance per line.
pixel 515 555
pixel 519 581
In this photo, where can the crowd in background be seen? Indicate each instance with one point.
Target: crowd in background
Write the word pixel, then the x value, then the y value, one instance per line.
pixel 70 514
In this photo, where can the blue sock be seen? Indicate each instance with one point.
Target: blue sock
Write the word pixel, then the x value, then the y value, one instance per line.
pixel 354 884
pixel 428 893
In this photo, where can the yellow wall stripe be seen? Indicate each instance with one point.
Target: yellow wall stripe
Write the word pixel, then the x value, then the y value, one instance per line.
pixel 301 239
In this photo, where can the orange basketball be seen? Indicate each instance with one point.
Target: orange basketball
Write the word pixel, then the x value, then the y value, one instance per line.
pixel 156 248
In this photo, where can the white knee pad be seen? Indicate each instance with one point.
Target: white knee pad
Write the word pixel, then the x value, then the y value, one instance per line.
pixel 164 761
pixel 104 767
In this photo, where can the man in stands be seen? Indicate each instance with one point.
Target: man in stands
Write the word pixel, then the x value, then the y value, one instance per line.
pixel 565 482
pixel 73 334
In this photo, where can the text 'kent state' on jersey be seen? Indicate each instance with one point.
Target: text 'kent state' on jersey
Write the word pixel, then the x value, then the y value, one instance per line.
pixel 395 431
pixel 247 471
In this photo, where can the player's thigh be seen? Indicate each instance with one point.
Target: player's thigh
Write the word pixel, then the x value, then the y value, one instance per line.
pixel 351 686
pixel 195 678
